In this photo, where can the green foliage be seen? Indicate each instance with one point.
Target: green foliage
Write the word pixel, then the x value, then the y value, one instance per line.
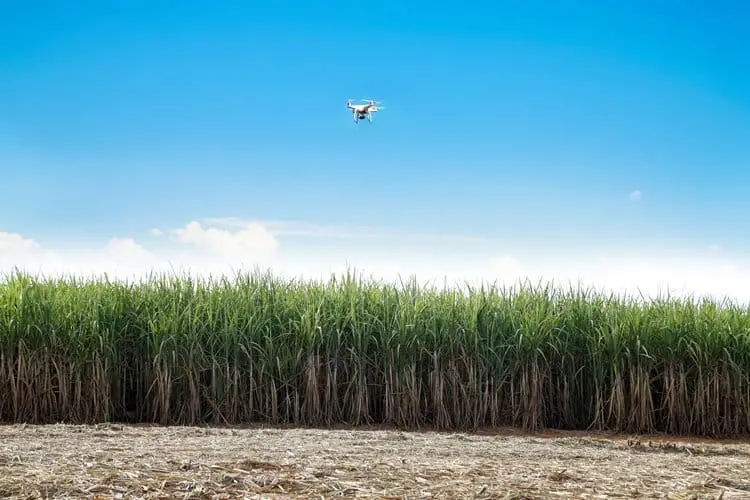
pixel 257 348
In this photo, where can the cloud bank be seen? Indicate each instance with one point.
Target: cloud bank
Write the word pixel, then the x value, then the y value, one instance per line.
pixel 225 246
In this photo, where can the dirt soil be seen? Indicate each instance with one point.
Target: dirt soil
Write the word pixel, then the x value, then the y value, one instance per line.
pixel 116 461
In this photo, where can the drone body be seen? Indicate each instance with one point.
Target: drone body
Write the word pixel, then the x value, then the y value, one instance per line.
pixel 362 111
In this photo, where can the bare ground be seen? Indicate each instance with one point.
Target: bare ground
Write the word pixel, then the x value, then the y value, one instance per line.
pixel 116 461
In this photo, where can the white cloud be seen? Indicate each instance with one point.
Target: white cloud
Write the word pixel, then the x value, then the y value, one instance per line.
pixel 651 274
pixel 156 232
pixel 11 244
pixel 246 242
pixel 301 228
pixel 506 266
pixel 635 195
pixel 127 250
pixel 201 248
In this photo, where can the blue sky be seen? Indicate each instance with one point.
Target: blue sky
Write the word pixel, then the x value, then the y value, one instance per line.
pixel 525 123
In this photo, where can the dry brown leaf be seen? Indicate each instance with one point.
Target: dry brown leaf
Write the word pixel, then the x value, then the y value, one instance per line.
pixel 147 462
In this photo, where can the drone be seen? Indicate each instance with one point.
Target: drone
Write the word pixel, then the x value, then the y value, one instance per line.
pixel 362 111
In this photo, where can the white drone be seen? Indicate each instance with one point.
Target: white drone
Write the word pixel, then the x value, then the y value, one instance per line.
pixel 362 111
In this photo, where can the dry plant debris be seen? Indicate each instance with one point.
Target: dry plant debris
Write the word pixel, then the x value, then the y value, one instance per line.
pixel 115 461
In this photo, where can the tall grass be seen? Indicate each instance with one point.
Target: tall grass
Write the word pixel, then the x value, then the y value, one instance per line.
pixel 257 348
